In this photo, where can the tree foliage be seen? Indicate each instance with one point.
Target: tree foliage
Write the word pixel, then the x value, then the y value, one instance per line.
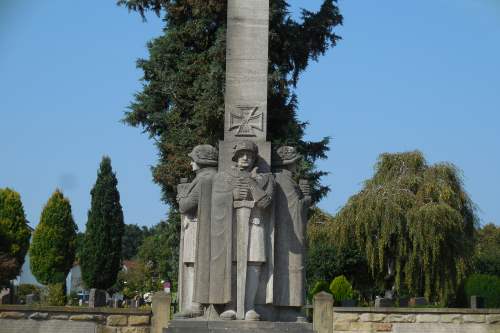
pixel 52 251
pixel 487 255
pixel 182 101
pixel 133 236
pixel 486 286
pixel 14 235
pixel 102 244
pixel 326 260
pixel 160 251
pixel 417 217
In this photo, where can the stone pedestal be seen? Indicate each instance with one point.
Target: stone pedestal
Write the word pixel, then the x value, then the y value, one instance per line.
pixel 199 326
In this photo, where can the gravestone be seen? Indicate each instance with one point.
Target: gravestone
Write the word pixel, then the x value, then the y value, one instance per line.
pixel 32 299
pixel 97 298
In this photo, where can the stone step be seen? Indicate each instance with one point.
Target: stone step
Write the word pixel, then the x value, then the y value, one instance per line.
pixel 237 326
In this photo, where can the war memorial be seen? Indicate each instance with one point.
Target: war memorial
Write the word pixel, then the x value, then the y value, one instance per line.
pixel 242 247
pixel 243 216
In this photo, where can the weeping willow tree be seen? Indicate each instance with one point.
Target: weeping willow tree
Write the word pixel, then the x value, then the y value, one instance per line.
pixel 415 223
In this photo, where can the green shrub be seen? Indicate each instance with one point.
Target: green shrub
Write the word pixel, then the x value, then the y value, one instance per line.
pixel 73 299
pixel 319 286
pixel 486 286
pixel 54 295
pixel 341 289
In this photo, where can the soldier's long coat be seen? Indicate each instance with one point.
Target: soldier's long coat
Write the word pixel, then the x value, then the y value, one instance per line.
pixel 291 219
pixel 222 247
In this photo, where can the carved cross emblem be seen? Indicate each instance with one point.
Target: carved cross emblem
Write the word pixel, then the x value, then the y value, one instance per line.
pixel 246 120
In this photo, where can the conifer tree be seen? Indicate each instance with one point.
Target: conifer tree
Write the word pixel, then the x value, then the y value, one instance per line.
pixel 182 101
pixel 101 253
pixel 14 235
pixel 52 251
pixel 416 219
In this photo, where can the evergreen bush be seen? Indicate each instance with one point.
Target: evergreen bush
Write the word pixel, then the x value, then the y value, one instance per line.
pixel 14 235
pixel 52 252
pixel 341 289
pixel 55 295
pixel 319 286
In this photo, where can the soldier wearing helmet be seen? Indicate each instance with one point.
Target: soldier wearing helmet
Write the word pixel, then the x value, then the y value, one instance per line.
pixel 195 207
pixel 241 202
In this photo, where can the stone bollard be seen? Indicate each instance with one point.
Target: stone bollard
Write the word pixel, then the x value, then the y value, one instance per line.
pixel 161 311
pixel 323 313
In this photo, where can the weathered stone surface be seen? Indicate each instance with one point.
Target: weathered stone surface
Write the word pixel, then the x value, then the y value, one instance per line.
pixel 474 318
pixel 382 327
pixel 12 315
pixel 342 326
pixel 427 318
pixel 161 311
pixel 84 317
pixel 46 326
pixel 349 317
pixel 451 318
pixel 59 317
pixel 357 326
pixel 107 329
pixel 135 330
pixel 39 316
pixel 138 320
pixel 442 328
pixel 116 320
pixel 198 326
pixel 246 66
pixel 372 317
pixel 398 318
pixel 493 319
pixel 323 312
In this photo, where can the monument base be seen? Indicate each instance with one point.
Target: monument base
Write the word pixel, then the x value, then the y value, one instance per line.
pixel 236 326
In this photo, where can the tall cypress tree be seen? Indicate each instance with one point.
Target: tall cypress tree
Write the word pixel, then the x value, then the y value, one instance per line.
pixel 52 251
pixel 182 100
pixel 101 253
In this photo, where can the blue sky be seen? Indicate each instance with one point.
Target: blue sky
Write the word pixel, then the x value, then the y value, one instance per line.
pixel 407 75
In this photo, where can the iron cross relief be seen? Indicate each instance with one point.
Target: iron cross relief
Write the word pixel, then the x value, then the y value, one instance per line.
pixel 246 120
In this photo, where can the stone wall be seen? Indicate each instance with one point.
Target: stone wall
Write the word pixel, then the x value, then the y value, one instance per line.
pixel 53 319
pixel 402 320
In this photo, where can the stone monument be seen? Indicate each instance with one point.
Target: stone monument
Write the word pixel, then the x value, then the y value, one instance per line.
pixel 242 240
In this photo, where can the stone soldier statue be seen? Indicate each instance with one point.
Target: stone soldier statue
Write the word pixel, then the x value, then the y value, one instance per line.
pixel 291 202
pixel 195 207
pixel 241 235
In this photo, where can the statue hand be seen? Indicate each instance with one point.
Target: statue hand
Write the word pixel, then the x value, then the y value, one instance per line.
pixel 305 188
pixel 264 202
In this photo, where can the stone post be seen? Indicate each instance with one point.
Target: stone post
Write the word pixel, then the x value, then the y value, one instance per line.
pixel 161 311
pixel 323 313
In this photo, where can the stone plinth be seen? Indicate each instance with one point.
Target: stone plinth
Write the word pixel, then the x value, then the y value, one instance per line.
pixel 237 326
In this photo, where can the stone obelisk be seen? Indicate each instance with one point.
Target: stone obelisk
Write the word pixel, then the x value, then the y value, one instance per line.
pixel 246 77
pixel 245 107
